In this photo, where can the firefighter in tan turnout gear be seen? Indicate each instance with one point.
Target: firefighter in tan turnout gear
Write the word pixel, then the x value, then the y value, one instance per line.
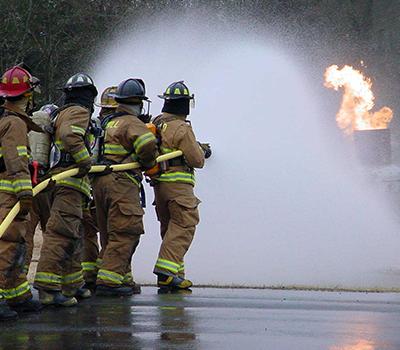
pixel 117 194
pixel 91 258
pixel 59 272
pixel 176 204
pixel 16 88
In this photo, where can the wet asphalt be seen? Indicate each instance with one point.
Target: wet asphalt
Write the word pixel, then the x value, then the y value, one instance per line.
pixel 214 318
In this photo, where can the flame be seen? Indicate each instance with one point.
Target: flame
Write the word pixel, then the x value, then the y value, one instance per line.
pixel 357 101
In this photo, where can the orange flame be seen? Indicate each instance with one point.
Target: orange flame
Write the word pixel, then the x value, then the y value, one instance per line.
pixel 357 101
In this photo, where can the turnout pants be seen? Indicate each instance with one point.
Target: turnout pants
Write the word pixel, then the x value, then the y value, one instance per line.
pixel 40 212
pixel 90 244
pixel 60 259
pixel 119 218
pixel 177 212
pixel 13 283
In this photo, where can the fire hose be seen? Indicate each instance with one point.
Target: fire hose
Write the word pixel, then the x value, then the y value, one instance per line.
pixel 68 173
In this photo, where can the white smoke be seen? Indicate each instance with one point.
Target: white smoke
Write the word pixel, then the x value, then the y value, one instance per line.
pixel 278 206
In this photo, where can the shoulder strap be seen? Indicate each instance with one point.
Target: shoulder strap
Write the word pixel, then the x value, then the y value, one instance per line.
pixel 101 138
pixel 107 119
pixel 160 119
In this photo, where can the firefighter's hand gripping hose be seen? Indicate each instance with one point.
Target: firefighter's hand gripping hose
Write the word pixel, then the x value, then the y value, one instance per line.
pixel 94 169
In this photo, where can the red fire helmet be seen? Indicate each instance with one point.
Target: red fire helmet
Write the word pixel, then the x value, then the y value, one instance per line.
pixel 16 81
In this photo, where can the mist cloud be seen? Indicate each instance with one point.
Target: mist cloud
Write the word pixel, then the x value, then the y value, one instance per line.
pixel 280 206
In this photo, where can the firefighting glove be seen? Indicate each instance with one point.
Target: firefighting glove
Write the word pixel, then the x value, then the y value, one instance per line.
pixel 107 170
pixel 50 186
pixel 25 202
pixel 83 169
pixel 206 149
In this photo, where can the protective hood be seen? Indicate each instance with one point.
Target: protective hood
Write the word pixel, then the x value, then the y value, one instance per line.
pixel 178 106
pixel 84 96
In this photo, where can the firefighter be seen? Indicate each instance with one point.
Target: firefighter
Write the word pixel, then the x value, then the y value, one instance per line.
pixel 117 194
pixel 40 210
pixel 91 258
pixel 59 277
pixel 175 202
pixel 16 88
pixel 107 102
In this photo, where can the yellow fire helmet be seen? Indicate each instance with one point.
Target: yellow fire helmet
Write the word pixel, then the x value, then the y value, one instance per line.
pixel 107 98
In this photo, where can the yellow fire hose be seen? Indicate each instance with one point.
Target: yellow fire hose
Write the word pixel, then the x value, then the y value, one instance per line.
pixel 94 169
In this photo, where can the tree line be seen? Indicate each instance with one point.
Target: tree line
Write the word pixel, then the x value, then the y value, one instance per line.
pixel 58 38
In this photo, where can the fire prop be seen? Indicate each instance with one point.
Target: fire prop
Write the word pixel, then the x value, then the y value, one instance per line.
pixel 357 102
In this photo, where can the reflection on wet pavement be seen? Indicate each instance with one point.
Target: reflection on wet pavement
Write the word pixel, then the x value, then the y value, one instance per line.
pixel 212 318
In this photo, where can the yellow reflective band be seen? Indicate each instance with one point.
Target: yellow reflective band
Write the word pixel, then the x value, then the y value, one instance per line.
pixel 167 265
pixel 15 81
pixel 114 149
pixel 132 179
pixel 88 266
pixel 167 150
pixel 76 183
pixel 128 278
pixel 15 292
pixel 5 185
pixel 142 140
pixel 177 91
pixel 177 176
pixel 81 155
pixel 20 185
pixel 78 130
pixel 110 276
pixel 72 278
pixel 47 277
pixel 60 145
pixel 22 151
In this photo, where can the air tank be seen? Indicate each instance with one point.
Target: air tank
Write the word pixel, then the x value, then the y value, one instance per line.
pixel 40 142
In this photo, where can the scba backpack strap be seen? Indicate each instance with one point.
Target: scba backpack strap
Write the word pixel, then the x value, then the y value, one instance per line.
pixel 59 157
pixel 102 133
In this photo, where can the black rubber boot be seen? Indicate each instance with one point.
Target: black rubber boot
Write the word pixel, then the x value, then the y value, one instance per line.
pixel 104 290
pixel 8 315
pixel 172 283
pixel 79 293
pixel 55 298
pixel 136 289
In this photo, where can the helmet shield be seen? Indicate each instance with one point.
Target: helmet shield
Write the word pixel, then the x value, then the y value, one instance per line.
pixel 177 90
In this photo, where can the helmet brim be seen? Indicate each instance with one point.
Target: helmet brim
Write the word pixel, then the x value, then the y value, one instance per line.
pixel 174 97
pixel 15 93
pixel 117 97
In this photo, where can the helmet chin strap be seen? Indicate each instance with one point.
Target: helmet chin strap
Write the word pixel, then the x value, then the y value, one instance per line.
pixel 30 105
